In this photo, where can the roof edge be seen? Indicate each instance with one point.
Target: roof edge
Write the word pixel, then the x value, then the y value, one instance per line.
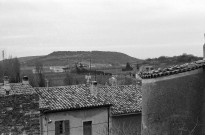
pixel 125 114
pixel 198 65
pixel 46 111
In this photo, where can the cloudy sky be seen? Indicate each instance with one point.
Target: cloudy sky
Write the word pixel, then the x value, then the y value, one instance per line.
pixel 139 28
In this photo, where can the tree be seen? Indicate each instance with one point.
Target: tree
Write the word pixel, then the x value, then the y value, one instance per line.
pixel 69 80
pixel 38 67
pixel 1 71
pixel 11 68
pixel 39 74
pixel 128 67
pixel 16 70
pixel 162 59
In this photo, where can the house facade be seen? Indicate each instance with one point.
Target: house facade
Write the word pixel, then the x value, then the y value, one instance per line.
pixel 90 110
pixel 76 122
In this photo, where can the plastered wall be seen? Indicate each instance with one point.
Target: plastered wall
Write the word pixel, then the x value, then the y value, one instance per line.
pixel 174 105
pixel 98 116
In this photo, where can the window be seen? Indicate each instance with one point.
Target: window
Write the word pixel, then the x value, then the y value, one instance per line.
pixel 7 92
pixel 87 128
pixel 62 127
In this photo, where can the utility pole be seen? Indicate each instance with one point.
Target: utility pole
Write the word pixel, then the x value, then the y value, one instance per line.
pixel 3 55
pixel 95 76
pixel 90 65
pixel 47 83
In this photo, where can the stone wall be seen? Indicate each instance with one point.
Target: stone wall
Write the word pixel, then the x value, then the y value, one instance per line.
pixel 19 114
pixel 174 105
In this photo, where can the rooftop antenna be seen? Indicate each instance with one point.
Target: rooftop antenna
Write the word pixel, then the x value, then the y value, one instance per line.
pixel 3 54
pixel 46 82
pixel 90 62
pixel 95 76
pixel 204 37
pixel 204 48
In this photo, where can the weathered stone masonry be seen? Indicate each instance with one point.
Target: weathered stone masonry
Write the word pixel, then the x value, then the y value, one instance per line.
pixel 19 114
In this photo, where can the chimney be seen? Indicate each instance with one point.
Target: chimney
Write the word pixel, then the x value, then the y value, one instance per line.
pixel 113 81
pixel 6 80
pixel 88 79
pixel 25 80
pixel 94 88
pixel 6 86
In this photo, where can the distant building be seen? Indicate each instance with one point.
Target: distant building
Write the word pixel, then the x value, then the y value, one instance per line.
pixel 49 69
pixel 146 68
pixel 57 69
pixel 44 70
pixel 66 69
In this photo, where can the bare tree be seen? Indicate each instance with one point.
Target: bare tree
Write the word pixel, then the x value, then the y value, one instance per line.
pixel 10 67
pixel 40 77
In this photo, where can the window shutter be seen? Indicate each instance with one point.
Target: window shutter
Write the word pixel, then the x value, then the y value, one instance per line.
pixel 57 127
pixel 67 127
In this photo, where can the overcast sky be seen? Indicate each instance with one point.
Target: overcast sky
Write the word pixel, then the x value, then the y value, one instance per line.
pixel 139 28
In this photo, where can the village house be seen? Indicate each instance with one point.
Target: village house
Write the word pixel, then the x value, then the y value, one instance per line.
pixel 78 109
pixel 90 110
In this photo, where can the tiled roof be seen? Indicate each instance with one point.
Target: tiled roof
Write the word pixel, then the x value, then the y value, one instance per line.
pixel 176 69
pixel 17 88
pixel 123 99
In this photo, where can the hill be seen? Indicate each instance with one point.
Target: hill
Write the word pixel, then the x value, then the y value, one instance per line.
pixel 103 59
pixel 62 58
pixel 165 61
pixel 25 59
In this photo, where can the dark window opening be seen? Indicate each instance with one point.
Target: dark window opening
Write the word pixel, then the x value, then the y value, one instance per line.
pixel 87 128
pixel 7 92
pixel 61 127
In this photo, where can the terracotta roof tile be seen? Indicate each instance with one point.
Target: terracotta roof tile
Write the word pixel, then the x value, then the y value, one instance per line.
pixel 124 99
pixel 17 88
pixel 173 70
